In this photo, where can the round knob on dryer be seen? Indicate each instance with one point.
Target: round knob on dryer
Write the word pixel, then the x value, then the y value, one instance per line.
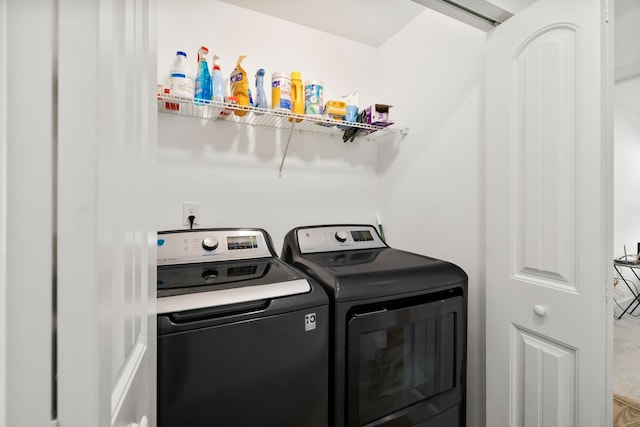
pixel 209 276
pixel 210 243
pixel 341 236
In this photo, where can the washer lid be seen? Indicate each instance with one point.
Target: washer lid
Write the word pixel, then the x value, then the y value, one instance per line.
pixel 191 286
pixel 215 298
pixel 189 278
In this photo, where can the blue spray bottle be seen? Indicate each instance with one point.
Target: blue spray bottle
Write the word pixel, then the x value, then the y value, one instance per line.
pixel 203 89
pixel 261 98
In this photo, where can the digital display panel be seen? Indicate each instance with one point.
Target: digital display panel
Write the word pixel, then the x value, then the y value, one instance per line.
pixel 242 242
pixel 362 236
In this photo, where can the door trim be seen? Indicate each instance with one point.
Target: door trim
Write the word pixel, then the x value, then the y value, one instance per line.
pixel 3 208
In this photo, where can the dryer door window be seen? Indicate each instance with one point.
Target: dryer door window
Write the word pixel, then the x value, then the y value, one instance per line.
pixel 399 359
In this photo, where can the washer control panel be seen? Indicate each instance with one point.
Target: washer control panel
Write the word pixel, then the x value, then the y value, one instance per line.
pixel 332 238
pixel 192 246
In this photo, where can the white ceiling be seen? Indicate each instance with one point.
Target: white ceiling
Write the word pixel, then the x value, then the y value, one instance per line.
pixel 370 22
pixel 373 22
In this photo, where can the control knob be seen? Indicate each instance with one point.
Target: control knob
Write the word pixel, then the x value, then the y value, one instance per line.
pixel 341 236
pixel 210 243
pixel 210 276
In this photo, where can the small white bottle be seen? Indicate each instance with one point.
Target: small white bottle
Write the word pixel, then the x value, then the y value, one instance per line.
pixel 218 80
pixel 181 79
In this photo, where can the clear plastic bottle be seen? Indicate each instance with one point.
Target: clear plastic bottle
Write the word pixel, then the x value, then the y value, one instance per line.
pixel 203 88
pixel 181 79
pixel 218 80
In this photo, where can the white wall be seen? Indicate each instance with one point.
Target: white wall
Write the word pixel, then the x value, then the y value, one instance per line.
pixel 427 187
pixel 431 185
pixel 627 32
pixel 626 128
pixel 233 170
pixel 626 183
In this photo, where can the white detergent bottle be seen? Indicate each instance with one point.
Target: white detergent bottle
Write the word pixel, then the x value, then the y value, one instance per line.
pixel 181 79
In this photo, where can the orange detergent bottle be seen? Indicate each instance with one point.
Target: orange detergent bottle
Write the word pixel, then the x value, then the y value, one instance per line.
pixel 240 86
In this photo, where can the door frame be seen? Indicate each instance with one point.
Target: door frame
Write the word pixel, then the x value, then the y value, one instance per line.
pixel 27 220
pixel 609 73
pixel 3 210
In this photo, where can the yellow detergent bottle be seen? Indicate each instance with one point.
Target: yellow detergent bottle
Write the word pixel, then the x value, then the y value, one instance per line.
pixel 297 95
pixel 240 86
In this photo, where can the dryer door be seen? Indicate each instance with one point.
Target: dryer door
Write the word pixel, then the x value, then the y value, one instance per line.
pixel 405 362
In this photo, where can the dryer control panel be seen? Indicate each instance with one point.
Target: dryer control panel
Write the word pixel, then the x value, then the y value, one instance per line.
pixel 192 246
pixel 338 238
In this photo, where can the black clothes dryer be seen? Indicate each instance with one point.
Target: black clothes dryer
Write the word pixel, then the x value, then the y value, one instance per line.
pixel 398 327
pixel 242 337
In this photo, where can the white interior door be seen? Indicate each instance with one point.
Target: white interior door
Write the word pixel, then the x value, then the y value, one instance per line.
pixel 549 217
pixel 106 231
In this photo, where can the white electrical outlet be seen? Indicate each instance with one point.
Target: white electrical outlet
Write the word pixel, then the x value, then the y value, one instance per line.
pixel 188 209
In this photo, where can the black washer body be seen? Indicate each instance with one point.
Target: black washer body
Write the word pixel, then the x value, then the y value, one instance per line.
pixel 246 364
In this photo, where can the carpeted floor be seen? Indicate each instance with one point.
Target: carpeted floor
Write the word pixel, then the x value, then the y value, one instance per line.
pixel 625 413
pixel 626 357
pixel 626 371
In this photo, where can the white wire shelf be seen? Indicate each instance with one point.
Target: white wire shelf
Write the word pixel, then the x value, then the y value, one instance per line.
pixel 223 111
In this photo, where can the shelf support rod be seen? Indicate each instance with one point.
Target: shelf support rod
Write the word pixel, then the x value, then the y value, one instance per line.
pixel 286 148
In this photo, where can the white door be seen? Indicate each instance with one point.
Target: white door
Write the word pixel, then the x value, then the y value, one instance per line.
pixel 106 337
pixel 549 202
